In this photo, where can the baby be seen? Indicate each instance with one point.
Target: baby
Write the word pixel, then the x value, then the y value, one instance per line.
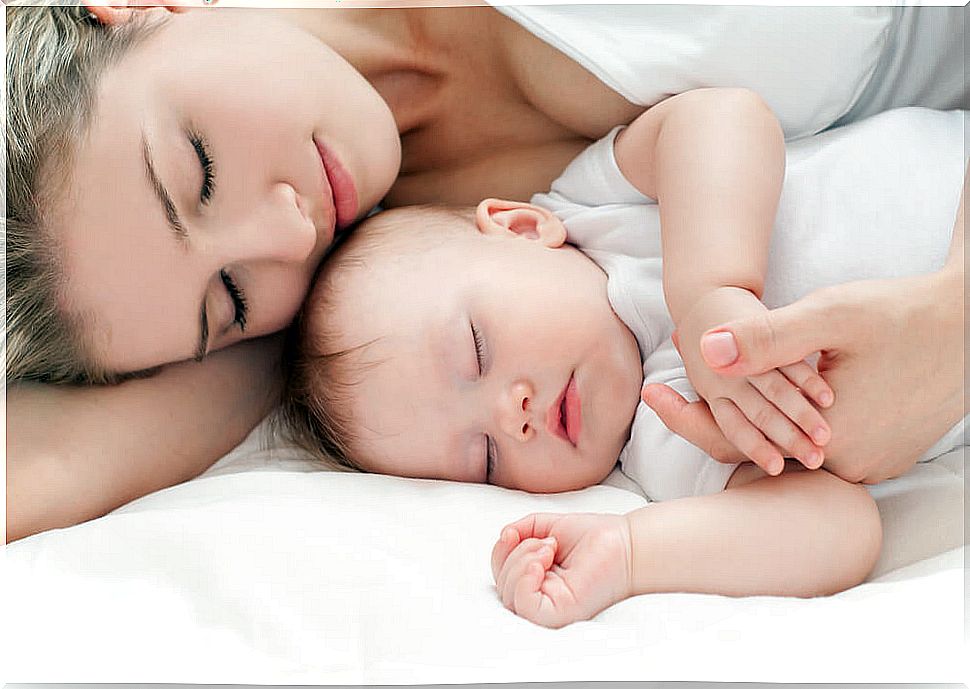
pixel 477 345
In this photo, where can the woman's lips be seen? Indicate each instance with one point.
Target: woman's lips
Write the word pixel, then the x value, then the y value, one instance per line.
pixel 564 416
pixel 340 188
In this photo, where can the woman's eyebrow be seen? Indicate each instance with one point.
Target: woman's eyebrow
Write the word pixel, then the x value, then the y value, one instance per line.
pixel 181 235
pixel 164 198
pixel 203 347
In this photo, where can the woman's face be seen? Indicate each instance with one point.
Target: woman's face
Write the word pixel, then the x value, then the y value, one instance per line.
pixel 223 154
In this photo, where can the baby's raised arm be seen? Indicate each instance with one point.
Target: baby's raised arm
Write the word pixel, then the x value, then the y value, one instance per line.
pixel 798 534
pixel 715 160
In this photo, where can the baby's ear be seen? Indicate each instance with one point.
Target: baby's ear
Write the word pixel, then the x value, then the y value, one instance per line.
pixel 500 217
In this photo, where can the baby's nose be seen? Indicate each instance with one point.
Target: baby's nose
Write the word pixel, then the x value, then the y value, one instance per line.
pixel 516 415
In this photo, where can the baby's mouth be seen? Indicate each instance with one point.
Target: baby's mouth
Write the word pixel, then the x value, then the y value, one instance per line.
pixel 564 418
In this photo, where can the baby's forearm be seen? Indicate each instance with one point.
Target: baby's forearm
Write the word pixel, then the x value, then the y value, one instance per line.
pixel 797 534
pixel 714 159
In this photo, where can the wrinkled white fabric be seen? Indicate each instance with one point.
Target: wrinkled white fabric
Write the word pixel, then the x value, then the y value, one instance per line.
pixel 813 65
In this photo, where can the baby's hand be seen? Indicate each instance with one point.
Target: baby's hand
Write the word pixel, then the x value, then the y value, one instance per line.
pixel 553 569
pixel 767 416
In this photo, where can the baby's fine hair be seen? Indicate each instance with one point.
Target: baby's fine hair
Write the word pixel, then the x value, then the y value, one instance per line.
pixel 320 366
pixel 56 53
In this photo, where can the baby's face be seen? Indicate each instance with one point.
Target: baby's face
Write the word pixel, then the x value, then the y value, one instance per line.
pixel 494 359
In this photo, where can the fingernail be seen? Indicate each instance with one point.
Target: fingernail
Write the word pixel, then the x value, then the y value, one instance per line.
pixel 826 398
pixel 820 435
pixel 551 540
pixel 814 459
pixel 719 349
pixel 507 535
pixel 544 551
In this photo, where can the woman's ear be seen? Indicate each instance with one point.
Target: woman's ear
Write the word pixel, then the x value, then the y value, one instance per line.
pixel 116 12
pixel 500 217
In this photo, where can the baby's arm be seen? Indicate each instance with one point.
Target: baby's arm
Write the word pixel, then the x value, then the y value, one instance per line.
pixel 715 159
pixel 797 534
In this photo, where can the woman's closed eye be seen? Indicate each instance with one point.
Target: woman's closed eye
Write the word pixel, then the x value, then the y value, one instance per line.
pixel 238 297
pixel 204 155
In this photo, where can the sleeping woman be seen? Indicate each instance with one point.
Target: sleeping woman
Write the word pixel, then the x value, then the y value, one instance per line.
pixel 175 179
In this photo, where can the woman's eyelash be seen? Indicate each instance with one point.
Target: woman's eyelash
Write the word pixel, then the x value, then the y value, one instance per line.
pixel 238 299
pixel 205 160
pixel 479 348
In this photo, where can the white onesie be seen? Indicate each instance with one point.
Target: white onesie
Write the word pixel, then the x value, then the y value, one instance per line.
pixel 873 199
pixel 814 66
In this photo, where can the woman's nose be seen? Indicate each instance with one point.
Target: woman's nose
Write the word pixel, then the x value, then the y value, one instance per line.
pixel 515 411
pixel 278 228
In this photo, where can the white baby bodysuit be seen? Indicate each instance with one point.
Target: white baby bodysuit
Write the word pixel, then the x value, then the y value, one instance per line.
pixel 873 199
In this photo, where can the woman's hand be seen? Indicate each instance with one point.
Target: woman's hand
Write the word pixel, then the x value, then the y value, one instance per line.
pixel 767 416
pixel 113 12
pixel 892 350
pixel 554 569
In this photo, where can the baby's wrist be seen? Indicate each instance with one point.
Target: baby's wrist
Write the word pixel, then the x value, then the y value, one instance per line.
pixel 717 306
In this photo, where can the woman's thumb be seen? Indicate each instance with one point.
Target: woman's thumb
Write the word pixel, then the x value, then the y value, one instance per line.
pixel 753 345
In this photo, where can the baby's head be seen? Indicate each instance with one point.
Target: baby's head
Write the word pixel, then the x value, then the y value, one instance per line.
pixel 464 344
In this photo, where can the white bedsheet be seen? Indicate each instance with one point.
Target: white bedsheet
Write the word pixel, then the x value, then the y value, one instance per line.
pixel 267 571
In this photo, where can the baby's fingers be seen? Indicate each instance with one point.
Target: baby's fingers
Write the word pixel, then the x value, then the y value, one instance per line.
pixel 532 551
pixel 778 428
pixel 506 543
pixel 528 600
pixel 781 392
pixel 741 433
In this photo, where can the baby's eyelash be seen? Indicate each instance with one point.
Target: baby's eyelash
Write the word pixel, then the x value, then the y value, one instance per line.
pixel 479 348
pixel 489 458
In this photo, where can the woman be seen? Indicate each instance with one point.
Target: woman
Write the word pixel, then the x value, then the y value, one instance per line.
pixel 162 210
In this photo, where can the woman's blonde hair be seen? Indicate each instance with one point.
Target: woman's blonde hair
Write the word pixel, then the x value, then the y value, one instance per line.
pixel 55 55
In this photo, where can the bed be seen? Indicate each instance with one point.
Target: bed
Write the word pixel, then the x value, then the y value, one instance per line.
pixel 268 569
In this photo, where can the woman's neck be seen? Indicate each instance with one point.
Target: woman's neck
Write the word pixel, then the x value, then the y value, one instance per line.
pixel 406 54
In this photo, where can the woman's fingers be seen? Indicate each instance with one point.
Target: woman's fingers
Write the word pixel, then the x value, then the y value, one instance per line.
pixel 114 12
pixel 782 394
pixel 780 337
pixel 808 380
pixel 692 421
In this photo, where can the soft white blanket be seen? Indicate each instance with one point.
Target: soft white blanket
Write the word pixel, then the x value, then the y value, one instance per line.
pixel 267 571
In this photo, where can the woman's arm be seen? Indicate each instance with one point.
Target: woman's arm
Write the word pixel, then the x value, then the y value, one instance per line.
pixel 76 453
pixel 893 350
